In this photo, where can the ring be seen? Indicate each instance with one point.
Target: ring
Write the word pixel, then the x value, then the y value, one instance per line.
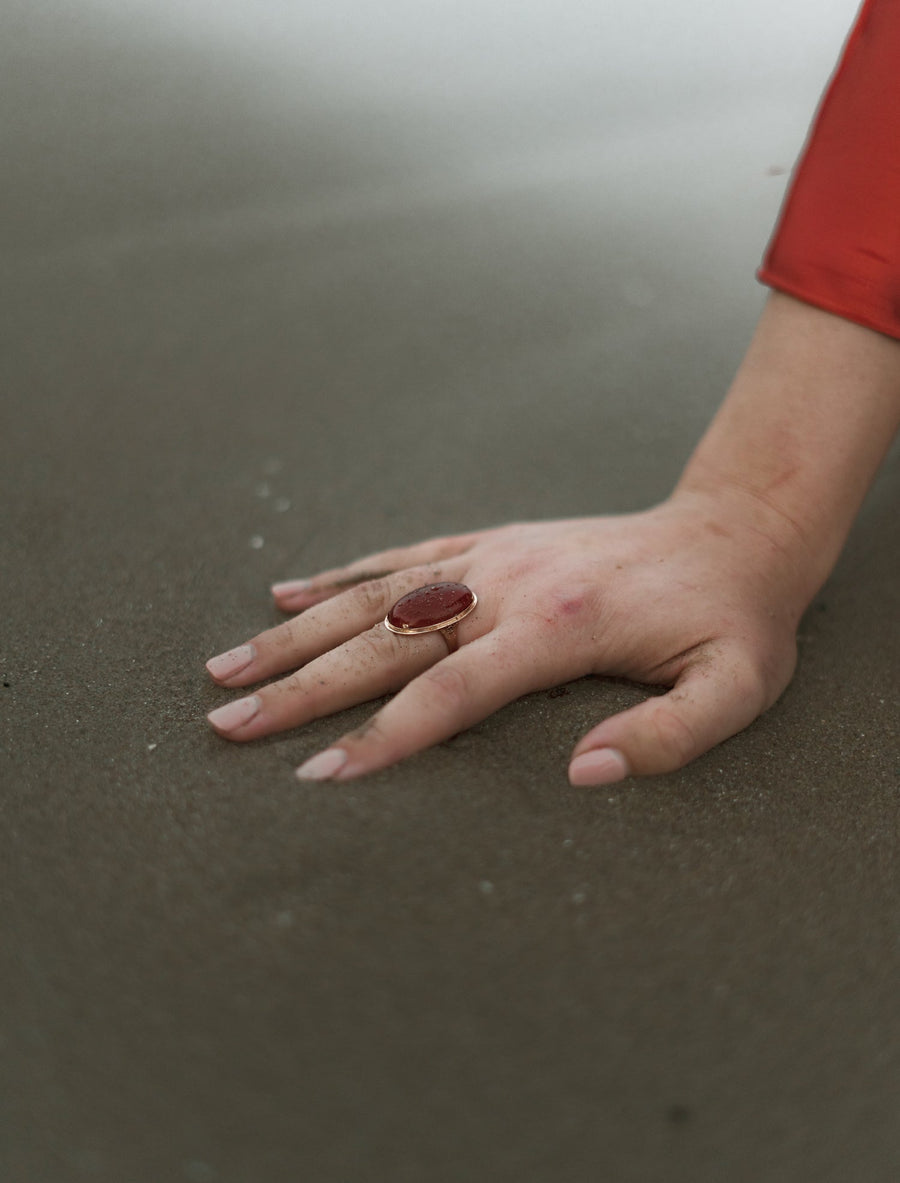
pixel 435 608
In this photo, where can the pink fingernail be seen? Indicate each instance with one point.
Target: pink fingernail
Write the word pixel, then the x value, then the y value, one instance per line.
pixel 323 766
pixel 293 587
pixel 232 662
pixel 604 766
pixel 235 714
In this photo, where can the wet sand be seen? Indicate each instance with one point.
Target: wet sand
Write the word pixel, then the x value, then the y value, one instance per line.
pixel 261 316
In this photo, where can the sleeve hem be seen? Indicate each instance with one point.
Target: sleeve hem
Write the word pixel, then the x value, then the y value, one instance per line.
pixel 869 318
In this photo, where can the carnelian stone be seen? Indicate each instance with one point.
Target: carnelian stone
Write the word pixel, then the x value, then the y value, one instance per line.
pixel 430 606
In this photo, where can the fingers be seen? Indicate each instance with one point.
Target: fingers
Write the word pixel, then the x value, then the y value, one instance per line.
pixel 320 628
pixel 712 700
pixel 368 666
pixel 447 698
pixel 297 594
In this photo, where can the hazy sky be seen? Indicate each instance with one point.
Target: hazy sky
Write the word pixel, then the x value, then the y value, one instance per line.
pixel 435 49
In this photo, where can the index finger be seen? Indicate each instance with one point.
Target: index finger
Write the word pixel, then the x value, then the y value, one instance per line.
pixel 452 695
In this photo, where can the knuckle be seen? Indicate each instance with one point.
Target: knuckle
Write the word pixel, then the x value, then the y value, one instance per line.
pixel 758 675
pixel 371 732
pixel 293 684
pixel 448 686
pixel 751 686
pixel 285 636
pixel 369 647
pixel 296 688
pixel 772 671
pixel 373 594
pixel 674 738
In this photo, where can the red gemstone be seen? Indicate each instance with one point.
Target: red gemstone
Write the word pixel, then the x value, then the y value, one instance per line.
pixel 428 607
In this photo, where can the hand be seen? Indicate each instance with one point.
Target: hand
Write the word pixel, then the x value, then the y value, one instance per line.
pixel 691 595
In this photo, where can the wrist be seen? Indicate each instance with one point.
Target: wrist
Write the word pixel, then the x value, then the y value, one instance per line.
pixel 770 543
pixel 794 447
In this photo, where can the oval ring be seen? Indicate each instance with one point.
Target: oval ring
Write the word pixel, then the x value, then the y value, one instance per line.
pixel 434 608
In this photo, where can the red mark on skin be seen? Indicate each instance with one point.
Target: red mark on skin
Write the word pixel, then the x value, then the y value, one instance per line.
pixel 782 478
pixel 570 605
pixel 719 531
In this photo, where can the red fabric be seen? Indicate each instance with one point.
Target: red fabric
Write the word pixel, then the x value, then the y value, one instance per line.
pixel 837 241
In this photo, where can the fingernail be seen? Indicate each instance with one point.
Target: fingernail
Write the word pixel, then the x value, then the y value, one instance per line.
pixel 323 766
pixel 235 714
pixel 232 662
pixel 601 767
pixel 292 587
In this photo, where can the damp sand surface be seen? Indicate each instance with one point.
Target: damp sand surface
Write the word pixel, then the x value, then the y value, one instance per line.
pixel 279 295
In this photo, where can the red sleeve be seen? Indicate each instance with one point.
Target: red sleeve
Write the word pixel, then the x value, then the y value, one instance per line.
pixel 837 241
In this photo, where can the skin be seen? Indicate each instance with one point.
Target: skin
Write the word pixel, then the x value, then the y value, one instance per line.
pixel 701 594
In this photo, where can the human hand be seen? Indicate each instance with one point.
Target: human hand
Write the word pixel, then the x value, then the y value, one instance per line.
pixel 692 595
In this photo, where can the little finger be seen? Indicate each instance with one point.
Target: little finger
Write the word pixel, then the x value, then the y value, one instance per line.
pixel 296 594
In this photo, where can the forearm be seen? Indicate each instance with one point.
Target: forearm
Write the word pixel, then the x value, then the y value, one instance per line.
pixel 806 423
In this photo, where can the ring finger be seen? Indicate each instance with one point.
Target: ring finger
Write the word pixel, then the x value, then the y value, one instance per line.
pixel 374 663
pixel 318 629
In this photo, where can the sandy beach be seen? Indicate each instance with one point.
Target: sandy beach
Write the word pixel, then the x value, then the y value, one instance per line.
pixel 287 286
